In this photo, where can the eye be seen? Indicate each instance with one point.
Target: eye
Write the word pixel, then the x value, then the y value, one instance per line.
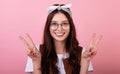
pixel 65 24
pixel 53 24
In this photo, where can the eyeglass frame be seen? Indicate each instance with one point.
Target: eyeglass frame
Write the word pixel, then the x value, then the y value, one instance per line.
pixel 55 25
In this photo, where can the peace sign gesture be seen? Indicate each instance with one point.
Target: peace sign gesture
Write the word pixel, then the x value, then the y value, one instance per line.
pixel 31 49
pixel 92 49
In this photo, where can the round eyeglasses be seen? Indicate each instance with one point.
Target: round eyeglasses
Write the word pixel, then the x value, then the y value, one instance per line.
pixel 64 25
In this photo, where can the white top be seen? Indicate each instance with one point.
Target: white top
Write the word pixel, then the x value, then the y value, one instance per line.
pixel 29 65
pixel 60 62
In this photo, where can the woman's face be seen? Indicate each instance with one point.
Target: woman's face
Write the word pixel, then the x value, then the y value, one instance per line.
pixel 59 27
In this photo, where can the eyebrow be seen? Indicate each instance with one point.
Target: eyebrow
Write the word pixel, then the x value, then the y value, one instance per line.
pixel 62 21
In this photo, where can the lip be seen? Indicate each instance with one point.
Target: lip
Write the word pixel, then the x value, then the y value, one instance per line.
pixel 59 34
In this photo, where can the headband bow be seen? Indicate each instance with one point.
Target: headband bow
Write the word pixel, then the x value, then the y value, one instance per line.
pixel 64 8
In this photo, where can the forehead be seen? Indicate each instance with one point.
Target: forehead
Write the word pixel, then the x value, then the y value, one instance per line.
pixel 59 17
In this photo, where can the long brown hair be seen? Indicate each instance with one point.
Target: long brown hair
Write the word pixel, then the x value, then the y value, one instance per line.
pixel 49 56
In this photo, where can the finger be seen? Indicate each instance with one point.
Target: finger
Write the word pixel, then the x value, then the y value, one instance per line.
pixel 98 40
pixel 30 52
pixel 92 53
pixel 31 41
pixel 92 39
pixel 86 54
pixel 24 41
pixel 91 42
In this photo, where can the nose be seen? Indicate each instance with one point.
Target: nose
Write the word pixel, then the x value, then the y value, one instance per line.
pixel 59 27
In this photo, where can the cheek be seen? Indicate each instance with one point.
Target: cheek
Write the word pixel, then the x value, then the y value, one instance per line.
pixel 68 31
pixel 51 32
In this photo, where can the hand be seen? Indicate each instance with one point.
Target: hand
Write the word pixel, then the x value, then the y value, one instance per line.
pixel 92 49
pixel 31 49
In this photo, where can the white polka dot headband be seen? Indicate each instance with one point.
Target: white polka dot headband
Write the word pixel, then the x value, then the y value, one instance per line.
pixel 64 8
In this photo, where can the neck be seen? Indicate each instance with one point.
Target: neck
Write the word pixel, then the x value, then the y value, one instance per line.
pixel 60 47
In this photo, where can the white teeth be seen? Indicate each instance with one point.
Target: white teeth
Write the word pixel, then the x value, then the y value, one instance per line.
pixel 59 34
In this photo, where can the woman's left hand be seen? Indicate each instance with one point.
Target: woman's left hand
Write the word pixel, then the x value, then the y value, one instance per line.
pixel 92 49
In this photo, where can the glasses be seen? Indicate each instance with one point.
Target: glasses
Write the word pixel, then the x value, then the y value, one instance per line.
pixel 64 25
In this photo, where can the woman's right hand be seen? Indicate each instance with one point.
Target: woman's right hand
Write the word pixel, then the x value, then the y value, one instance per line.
pixel 31 49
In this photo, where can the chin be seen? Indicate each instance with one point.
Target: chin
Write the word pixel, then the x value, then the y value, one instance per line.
pixel 60 39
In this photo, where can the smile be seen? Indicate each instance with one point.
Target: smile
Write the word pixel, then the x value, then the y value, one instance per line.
pixel 59 34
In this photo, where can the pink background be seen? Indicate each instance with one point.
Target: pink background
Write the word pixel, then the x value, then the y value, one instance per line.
pixel 18 17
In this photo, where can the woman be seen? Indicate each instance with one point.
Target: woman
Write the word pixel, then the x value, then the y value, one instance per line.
pixel 60 52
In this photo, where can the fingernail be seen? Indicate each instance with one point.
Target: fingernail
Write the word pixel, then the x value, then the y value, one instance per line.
pixel 92 53
pixel 32 53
